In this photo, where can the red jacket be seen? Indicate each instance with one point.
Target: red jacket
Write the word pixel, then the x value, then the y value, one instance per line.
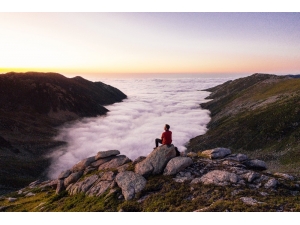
pixel 166 137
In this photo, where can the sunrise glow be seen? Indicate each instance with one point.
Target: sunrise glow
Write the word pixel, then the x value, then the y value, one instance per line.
pixel 141 43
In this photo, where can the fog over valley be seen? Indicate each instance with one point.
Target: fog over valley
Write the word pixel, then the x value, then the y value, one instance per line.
pixel 132 125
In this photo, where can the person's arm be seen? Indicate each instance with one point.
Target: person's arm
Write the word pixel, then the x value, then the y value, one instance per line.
pixel 162 137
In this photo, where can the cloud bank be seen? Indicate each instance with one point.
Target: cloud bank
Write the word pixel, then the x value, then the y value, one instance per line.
pixel 132 125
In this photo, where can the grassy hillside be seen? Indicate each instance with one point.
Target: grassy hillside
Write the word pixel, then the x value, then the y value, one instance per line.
pixel 258 115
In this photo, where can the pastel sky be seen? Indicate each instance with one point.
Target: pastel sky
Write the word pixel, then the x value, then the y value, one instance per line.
pixel 106 44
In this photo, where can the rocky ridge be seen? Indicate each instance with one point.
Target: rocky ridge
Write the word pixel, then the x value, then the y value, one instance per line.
pixel 110 174
pixel 257 116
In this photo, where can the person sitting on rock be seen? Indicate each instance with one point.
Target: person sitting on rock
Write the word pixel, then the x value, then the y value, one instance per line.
pixel 166 137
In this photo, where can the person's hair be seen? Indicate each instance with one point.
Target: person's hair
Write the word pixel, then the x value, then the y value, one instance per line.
pixel 168 126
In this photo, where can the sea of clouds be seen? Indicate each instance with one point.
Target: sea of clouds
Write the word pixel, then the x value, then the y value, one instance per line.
pixel 132 125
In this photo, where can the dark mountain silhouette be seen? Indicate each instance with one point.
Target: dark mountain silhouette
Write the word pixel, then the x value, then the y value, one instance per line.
pixel 32 106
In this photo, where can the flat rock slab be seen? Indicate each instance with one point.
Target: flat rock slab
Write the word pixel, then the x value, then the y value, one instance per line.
pixel 156 161
pixel 130 183
pixel 217 177
pixel 115 162
pixel 104 154
pixel 177 164
pixel 217 153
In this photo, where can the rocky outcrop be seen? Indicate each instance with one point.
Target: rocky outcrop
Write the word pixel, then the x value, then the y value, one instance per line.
pixel 156 161
pixel 192 172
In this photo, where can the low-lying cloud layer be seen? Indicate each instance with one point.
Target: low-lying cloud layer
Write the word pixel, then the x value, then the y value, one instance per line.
pixel 132 125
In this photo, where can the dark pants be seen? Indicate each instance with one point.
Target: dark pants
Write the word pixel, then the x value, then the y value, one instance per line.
pixel 157 140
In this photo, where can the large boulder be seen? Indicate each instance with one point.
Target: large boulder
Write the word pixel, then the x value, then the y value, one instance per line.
pixel 156 161
pixel 177 164
pixel 115 162
pixel 104 154
pixel 217 177
pixel 83 164
pixel 217 153
pixel 130 183
pixel 255 164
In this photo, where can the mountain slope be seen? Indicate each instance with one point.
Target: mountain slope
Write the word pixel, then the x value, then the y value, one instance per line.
pixel 32 106
pixel 258 115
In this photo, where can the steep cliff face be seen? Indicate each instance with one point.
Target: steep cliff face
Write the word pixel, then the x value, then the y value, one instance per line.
pixel 258 115
pixel 32 106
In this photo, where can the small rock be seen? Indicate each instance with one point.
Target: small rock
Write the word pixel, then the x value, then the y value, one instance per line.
pixel 217 153
pixel 10 199
pixel 251 176
pixel 272 183
pixel 263 193
pixel 181 179
pixel 192 154
pixel 284 176
pixel 33 184
pixel 250 201
pixel 30 194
